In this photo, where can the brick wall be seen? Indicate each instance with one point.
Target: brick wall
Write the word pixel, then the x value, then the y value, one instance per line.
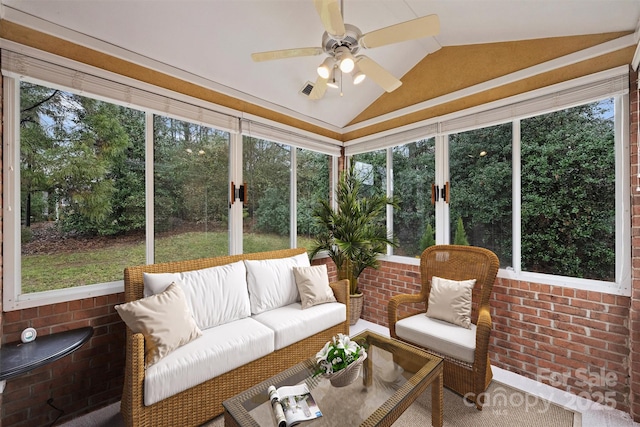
pixel 88 379
pixel 573 340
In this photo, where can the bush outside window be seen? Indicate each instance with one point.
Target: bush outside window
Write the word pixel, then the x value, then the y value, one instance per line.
pixel 481 198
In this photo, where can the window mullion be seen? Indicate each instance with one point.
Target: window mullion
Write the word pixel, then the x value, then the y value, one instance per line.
pixel 293 199
pixel 516 187
pixel 12 270
pixel 389 191
pixel 235 209
pixel 441 177
pixel 149 189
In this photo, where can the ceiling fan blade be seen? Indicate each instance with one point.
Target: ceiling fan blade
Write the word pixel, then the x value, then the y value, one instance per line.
pixel 331 17
pixel 375 72
pixel 410 30
pixel 286 53
pixel 319 88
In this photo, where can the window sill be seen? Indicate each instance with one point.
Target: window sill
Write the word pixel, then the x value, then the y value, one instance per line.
pixel 38 299
pixel 543 279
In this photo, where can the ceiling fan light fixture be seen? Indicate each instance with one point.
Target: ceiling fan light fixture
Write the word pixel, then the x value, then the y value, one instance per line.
pixel 347 61
pixel 324 70
pixel 358 75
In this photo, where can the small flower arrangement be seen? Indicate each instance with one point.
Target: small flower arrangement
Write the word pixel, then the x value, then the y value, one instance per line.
pixel 337 354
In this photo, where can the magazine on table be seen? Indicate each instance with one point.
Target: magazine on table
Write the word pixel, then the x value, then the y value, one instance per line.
pixel 293 404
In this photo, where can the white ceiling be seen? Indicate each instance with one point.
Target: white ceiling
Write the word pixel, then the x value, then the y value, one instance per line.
pixel 213 39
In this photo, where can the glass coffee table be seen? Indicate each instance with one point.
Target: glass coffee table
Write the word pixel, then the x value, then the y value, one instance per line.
pixel 393 376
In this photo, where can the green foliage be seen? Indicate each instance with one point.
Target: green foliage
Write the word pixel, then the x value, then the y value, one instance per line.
pixel 271 211
pixel 82 164
pixel 354 234
pixel 266 165
pixel 428 238
pixel 568 183
pixel 413 173
pixel 481 187
pixel 460 236
pixel 26 235
pixel 272 214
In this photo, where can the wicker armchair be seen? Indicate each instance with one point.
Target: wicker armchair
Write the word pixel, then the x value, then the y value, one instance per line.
pixel 455 263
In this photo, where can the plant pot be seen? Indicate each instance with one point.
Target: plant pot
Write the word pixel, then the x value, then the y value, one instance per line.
pixel 347 375
pixel 355 307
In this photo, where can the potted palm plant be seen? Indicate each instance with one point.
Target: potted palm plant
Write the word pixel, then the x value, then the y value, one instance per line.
pixel 355 233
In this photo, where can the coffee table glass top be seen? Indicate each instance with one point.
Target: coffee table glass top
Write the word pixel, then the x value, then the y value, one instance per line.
pixel 393 375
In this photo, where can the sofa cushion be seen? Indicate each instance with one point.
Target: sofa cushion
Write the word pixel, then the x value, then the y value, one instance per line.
pixel 271 283
pixel 440 336
pixel 291 323
pixel 450 300
pixel 215 295
pixel 313 285
pixel 219 350
pixel 164 319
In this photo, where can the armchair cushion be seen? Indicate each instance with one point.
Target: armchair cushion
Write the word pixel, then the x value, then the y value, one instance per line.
pixel 439 336
pixel 313 285
pixel 450 300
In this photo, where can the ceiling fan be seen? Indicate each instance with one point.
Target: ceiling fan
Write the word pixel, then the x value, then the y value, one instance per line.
pixel 342 42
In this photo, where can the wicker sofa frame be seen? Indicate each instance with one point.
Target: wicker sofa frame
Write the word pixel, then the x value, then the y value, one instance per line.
pixel 203 402
pixel 457 263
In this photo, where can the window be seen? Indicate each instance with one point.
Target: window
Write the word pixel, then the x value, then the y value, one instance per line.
pixel 413 174
pixel 191 174
pixel 99 186
pixel 313 176
pixel 81 189
pixel 480 175
pixel 568 187
pixel 548 193
pixel 267 174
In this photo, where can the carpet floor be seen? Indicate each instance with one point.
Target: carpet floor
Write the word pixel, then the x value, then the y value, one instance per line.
pixel 504 407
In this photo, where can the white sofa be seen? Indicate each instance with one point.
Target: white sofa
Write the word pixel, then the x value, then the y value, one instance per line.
pixel 245 322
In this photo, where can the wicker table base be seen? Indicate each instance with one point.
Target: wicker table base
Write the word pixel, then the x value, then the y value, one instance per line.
pixel 393 376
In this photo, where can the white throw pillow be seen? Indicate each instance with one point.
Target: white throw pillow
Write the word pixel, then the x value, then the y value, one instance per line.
pixel 215 295
pixel 450 300
pixel 313 285
pixel 164 319
pixel 271 282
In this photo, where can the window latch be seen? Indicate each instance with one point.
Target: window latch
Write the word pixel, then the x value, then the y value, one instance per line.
pixel 438 193
pixel 445 192
pixel 239 192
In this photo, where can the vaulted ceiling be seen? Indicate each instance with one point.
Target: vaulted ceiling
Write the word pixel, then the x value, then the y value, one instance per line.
pixel 485 49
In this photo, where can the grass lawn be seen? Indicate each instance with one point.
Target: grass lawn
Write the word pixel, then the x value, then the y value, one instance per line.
pixel 68 269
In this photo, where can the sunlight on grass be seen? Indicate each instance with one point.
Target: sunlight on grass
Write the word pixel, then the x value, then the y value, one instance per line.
pixel 69 269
